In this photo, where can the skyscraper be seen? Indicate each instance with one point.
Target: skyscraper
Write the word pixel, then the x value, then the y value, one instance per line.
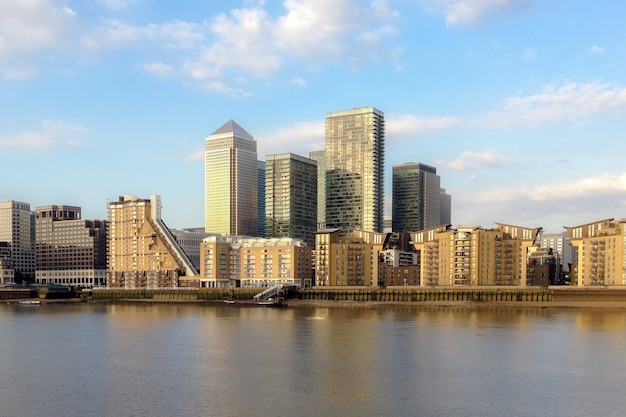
pixel 355 162
pixel 231 182
pixel 418 201
pixel 17 228
pixel 291 197
pixel 261 198
pixel 320 158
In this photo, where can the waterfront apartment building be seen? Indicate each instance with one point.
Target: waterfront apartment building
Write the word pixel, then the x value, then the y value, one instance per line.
pixel 347 261
pixel 355 166
pixel 7 272
pixel 17 229
pixel 601 255
pixel 235 261
pixel 143 251
pixel 320 158
pixel 418 201
pixel 473 256
pixel 291 197
pixel 68 249
pixel 231 182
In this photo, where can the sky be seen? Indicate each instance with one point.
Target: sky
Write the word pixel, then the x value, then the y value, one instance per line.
pixel 520 105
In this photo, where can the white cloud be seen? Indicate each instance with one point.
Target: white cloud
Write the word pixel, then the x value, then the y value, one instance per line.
pixel 411 125
pixel 51 135
pixel 29 27
pixel 116 4
pixel 298 81
pixel 575 102
pixel 470 160
pixel 473 12
pixel 595 50
pixel 299 138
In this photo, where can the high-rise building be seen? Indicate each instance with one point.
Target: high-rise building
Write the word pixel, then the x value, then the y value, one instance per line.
pixel 189 241
pixel 562 244
pixel 68 249
pixel 17 228
pixel 231 182
pixel 418 201
pixel 261 198
pixel 355 166
pixel 291 197
pixel 143 251
pixel 320 158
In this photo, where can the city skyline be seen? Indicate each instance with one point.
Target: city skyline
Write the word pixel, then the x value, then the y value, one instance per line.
pixel 519 104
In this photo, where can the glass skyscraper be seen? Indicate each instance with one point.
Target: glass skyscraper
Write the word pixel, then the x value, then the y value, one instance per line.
pixel 355 162
pixel 291 197
pixel 231 182
pixel 419 202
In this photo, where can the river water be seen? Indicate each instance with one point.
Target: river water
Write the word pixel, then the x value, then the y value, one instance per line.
pixel 190 360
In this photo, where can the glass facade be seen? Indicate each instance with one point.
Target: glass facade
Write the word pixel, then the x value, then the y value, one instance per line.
pixel 417 198
pixel 355 162
pixel 231 182
pixel 291 197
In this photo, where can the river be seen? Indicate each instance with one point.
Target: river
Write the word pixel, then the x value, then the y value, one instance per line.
pixel 193 360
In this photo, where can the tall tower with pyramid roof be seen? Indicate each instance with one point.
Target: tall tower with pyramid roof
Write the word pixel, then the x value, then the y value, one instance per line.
pixel 230 182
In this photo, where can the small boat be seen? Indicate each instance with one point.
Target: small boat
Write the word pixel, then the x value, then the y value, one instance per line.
pixel 29 302
pixel 270 302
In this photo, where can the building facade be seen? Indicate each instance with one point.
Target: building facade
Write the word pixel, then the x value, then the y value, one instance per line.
pixel 261 198
pixel 68 249
pixel 601 256
pixel 347 261
pixel 232 261
pixel 418 201
pixel 143 253
pixel 291 197
pixel 231 182
pixel 355 166
pixel 320 158
pixel 17 228
pixel 473 256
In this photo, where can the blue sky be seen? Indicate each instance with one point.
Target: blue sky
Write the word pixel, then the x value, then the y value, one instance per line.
pixel 519 104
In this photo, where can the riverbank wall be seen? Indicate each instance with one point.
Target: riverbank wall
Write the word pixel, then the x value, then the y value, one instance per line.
pixel 417 295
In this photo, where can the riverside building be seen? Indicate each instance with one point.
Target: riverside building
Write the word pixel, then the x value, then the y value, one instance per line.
pixel 472 256
pixel 143 251
pixel 17 228
pixel 231 182
pixel 355 165
pixel 601 255
pixel 235 261
pixel 69 250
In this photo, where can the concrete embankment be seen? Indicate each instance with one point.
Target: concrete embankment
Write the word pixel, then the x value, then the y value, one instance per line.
pixel 499 296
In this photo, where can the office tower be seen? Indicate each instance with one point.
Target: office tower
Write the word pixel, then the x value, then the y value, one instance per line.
pixel 17 228
pixel 261 198
pixel 189 241
pixel 355 162
pixel 69 250
pixel 320 158
pixel 231 181
pixel 417 198
pixel 446 207
pixel 562 244
pixel 291 197
pixel 143 251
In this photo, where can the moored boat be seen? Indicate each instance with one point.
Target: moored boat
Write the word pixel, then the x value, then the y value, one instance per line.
pixel 29 302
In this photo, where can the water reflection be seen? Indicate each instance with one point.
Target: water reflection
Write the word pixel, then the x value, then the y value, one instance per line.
pixel 90 359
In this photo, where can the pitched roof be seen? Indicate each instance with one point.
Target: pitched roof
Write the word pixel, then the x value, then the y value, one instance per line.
pixel 232 127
